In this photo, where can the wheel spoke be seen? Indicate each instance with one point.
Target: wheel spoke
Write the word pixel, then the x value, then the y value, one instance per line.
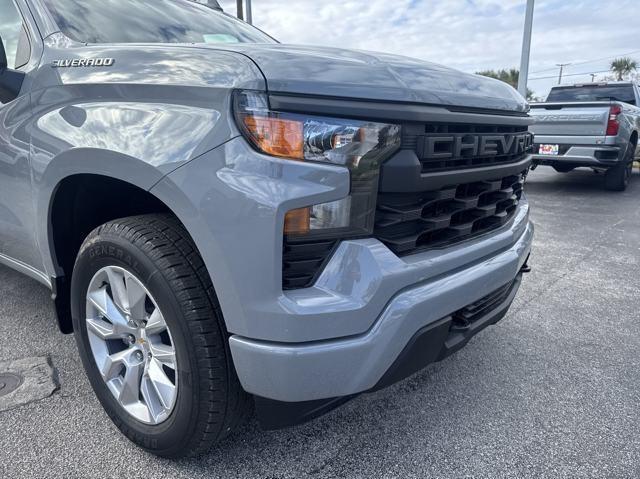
pixel 136 296
pixel 112 364
pixel 164 354
pixel 118 289
pixel 130 390
pixel 101 329
pixel 156 324
pixel 151 399
pixel 107 308
pixel 162 385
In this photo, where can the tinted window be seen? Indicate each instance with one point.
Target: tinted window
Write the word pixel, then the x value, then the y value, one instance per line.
pixel 149 21
pixel 10 30
pixel 622 93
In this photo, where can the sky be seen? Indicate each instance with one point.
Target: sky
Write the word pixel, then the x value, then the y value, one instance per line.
pixel 469 35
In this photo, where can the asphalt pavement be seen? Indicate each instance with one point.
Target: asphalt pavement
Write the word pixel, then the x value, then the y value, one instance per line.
pixel 551 391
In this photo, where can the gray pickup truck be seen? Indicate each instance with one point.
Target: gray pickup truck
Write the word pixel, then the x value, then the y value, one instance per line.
pixel 592 125
pixel 227 222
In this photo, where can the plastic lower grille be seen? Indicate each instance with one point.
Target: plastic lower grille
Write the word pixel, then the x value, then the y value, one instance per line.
pixel 302 261
pixel 411 222
pixel 473 312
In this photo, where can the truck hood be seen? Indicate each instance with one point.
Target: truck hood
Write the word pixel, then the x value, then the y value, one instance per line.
pixel 333 72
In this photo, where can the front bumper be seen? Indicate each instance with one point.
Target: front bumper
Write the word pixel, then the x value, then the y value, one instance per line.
pixel 346 366
pixel 434 342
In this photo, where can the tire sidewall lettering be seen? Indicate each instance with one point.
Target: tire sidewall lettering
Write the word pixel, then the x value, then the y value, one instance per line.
pixel 105 250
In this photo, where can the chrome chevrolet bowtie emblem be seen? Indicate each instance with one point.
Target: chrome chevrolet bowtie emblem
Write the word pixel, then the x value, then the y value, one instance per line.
pixel 83 62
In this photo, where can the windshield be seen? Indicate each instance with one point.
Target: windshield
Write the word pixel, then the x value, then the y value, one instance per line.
pixel 149 21
pixel 623 93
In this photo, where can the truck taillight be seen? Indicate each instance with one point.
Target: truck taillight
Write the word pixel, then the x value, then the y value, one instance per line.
pixel 613 126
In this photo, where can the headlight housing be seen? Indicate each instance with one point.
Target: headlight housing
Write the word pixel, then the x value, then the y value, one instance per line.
pixel 361 146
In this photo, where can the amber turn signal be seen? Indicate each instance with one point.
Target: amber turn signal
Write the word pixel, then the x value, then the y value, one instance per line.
pixel 297 222
pixel 276 136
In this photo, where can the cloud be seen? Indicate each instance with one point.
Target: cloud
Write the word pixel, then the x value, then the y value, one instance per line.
pixel 470 35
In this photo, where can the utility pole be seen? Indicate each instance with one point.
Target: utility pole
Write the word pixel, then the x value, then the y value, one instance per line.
pixel 526 49
pixel 240 14
pixel 561 65
pixel 249 13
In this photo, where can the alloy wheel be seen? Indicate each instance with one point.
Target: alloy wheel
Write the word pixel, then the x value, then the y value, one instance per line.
pixel 131 345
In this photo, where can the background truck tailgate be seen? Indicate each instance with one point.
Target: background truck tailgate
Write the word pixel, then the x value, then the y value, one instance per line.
pixel 570 119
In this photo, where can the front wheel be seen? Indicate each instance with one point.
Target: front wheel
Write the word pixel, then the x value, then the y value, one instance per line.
pixel 151 337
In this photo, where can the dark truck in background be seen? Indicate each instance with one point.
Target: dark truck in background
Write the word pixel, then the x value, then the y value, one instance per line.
pixel 592 125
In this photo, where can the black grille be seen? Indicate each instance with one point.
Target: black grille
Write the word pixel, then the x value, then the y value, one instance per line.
pixel 458 146
pixel 302 261
pixel 414 212
pixel 411 222
pixel 475 311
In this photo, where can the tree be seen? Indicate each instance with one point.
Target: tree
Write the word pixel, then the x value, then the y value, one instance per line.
pixel 510 76
pixel 622 67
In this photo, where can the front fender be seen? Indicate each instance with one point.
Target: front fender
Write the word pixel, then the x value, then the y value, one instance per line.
pixel 79 161
pixel 137 141
pixel 153 129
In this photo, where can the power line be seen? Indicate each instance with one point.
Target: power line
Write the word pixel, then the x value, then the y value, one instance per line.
pixel 590 61
pixel 570 75
pixel 545 70
pixel 607 58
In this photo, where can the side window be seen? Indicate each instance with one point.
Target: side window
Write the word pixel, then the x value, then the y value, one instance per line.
pixel 11 32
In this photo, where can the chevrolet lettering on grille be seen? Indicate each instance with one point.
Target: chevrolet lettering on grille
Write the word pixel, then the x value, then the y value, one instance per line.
pixel 469 145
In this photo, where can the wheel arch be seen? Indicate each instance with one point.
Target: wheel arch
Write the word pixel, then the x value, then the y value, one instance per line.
pixel 79 203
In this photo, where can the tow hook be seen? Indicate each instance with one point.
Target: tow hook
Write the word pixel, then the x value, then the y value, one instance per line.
pixel 525 267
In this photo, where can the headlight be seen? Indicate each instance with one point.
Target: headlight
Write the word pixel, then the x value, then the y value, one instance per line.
pixel 358 145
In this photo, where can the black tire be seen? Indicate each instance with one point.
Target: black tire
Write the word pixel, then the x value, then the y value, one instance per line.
pixel 618 177
pixel 210 402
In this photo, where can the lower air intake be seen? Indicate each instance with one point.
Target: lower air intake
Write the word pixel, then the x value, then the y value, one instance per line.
pixel 412 222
